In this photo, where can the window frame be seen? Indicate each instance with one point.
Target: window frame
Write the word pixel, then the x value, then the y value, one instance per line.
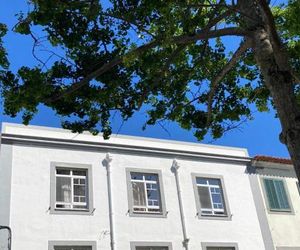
pixel 89 180
pixel 205 245
pixel 135 244
pixel 52 244
pixel 276 211
pixel 227 215
pixel 161 214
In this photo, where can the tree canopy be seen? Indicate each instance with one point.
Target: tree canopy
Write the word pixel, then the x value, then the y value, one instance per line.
pixel 203 64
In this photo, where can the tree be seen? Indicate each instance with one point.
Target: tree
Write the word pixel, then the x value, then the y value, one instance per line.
pixel 171 57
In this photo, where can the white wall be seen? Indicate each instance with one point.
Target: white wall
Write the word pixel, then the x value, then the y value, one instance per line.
pixel 5 184
pixel 31 222
pixel 33 226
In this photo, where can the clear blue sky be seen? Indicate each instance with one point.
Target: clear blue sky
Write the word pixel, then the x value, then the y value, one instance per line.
pixel 259 136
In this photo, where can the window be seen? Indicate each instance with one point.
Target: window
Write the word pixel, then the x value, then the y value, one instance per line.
pixel 210 196
pixel 72 248
pixel 71 188
pixel 276 195
pixel 150 246
pixel 72 245
pixel 145 194
pixel 219 246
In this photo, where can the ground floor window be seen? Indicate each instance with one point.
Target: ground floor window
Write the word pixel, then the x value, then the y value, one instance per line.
pixel 219 246
pixel 72 245
pixel 72 248
pixel 151 246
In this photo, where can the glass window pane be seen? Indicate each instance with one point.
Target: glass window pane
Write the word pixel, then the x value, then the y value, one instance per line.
pixel 138 190
pixel 79 172
pixel 201 181
pixel 215 182
pixel 281 193
pixel 79 190
pixel 204 197
pixel 63 189
pixel 62 171
pixel 151 177
pixel 136 176
pixel 271 194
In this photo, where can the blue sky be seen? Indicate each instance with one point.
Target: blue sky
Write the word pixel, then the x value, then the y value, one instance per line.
pixel 259 136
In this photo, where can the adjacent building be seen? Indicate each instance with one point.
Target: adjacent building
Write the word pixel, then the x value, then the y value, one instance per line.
pixel 64 191
pixel 276 193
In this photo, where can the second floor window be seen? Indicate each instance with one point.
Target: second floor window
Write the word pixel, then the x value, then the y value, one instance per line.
pixel 145 193
pixel 276 195
pixel 71 189
pixel 210 196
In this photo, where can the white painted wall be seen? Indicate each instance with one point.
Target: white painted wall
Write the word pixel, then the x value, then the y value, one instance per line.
pixel 33 226
pixel 5 184
pixel 284 227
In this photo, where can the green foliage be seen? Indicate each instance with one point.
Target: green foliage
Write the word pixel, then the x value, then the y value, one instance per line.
pixel 171 80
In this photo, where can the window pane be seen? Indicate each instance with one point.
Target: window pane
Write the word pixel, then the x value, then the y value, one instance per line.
pixel 138 190
pixel 214 182
pixel 136 176
pixel 201 181
pixel 151 177
pixel 282 196
pixel 79 190
pixel 271 194
pixel 152 194
pixel 62 171
pixel 79 172
pixel 63 189
pixel 204 197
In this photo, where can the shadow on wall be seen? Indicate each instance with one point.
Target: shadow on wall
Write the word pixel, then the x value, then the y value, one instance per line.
pixel 286 171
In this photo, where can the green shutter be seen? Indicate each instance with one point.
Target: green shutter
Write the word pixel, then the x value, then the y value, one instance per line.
pixel 276 194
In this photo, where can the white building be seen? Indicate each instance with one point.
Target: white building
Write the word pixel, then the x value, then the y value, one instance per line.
pixel 62 191
pixel 276 192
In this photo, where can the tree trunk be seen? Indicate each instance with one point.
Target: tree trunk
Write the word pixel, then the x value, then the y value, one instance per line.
pixel 274 66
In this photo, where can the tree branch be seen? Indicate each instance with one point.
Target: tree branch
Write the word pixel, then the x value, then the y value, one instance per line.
pixel 183 39
pixel 214 83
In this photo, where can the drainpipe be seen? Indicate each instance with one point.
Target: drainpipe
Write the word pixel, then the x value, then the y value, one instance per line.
pixel 175 167
pixel 9 235
pixel 108 160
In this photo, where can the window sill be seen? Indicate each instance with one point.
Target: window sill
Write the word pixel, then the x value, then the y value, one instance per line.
pixel 72 212
pixel 214 217
pixel 283 212
pixel 149 215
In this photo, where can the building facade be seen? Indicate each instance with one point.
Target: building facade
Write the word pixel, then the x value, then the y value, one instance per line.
pixel 63 191
pixel 277 198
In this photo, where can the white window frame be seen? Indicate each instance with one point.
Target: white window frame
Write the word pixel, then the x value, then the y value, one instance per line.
pixel 53 244
pixel 205 245
pixel 147 207
pixel 134 245
pixel 147 213
pixel 89 188
pixel 227 214
pixel 72 177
